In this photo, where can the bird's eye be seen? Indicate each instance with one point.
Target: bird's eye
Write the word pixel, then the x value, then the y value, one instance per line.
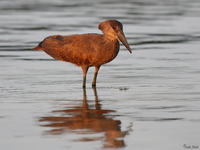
pixel 114 28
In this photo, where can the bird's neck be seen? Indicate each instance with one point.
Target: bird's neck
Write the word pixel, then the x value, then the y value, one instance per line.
pixel 110 37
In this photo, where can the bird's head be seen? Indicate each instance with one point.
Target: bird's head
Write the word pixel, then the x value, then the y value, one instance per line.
pixel 114 30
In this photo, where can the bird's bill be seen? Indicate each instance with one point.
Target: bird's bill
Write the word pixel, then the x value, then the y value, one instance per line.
pixel 122 38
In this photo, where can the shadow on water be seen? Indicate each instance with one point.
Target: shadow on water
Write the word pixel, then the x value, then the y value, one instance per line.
pixel 85 120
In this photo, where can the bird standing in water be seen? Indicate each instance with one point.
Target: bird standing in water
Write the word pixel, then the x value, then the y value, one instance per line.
pixel 86 50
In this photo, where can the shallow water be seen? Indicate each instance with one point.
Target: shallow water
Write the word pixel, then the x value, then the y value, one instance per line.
pixel 145 100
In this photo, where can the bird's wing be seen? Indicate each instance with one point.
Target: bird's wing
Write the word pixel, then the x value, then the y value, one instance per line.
pixel 80 49
pixel 77 49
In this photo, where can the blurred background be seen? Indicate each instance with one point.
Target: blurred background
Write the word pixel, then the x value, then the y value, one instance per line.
pixel 145 21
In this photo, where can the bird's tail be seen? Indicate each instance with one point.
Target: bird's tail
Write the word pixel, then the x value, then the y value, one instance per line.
pixel 37 48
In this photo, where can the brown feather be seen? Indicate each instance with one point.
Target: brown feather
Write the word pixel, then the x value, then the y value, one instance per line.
pixel 86 50
pixel 82 50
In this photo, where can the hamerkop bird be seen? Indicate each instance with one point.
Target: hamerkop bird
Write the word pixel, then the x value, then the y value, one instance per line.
pixel 86 50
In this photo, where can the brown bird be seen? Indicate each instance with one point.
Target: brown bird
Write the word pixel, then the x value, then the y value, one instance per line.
pixel 86 50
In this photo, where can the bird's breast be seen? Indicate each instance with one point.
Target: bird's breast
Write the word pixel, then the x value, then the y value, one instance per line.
pixel 107 52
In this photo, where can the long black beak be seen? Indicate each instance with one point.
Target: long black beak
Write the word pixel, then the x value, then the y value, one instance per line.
pixel 122 38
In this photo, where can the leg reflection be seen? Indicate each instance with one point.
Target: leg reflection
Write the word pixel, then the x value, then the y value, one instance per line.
pixel 86 118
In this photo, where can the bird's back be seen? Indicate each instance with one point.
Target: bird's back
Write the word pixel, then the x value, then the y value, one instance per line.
pixel 82 50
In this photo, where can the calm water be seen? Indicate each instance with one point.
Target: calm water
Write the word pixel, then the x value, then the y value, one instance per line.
pixel 146 100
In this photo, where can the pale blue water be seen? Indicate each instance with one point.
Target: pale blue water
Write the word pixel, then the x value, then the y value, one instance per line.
pixel 146 100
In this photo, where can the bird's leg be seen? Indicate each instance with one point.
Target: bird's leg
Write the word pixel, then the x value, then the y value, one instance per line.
pixel 84 69
pixel 97 105
pixel 95 76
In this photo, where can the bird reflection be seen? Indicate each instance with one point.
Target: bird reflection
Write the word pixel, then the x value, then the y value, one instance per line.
pixel 87 120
